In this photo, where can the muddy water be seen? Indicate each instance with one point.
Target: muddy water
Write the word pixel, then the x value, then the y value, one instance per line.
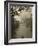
pixel 23 31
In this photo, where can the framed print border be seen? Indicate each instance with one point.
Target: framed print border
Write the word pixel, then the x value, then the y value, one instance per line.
pixel 6 22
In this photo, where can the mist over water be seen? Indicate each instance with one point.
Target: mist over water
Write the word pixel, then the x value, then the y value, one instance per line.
pixel 21 22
